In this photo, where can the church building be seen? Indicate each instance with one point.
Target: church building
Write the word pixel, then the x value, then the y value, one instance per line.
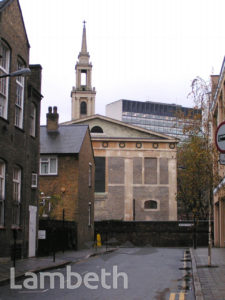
pixel 136 168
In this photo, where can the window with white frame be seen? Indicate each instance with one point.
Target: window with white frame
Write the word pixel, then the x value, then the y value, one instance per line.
pixel 16 196
pixel 34 180
pixel 2 192
pixel 33 120
pixel 48 165
pixel 4 82
pixel 19 98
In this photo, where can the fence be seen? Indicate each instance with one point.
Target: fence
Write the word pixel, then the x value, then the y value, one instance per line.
pixel 60 236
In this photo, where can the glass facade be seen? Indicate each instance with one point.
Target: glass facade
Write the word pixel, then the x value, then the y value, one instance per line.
pixel 158 117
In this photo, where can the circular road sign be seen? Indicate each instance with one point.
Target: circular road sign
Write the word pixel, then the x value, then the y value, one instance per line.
pixel 220 137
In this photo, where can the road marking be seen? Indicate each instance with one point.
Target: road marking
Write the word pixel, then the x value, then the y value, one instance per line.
pixel 181 296
pixel 172 296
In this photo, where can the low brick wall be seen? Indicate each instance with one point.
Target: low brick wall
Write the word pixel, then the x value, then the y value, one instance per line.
pixel 156 234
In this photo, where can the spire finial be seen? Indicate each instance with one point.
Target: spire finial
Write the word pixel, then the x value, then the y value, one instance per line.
pixel 84 43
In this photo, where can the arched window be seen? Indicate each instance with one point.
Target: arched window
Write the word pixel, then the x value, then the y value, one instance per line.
pixel 96 129
pixel 150 204
pixel 83 108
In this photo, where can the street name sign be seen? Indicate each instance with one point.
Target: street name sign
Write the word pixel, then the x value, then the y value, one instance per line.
pixel 220 137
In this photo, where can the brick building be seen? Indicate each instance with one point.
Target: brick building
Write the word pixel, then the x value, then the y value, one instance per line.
pixel 19 137
pixel 218 116
pixel 67 170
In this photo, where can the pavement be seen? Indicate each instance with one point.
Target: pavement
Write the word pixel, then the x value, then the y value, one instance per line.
pixel 38 264
pixel 209 282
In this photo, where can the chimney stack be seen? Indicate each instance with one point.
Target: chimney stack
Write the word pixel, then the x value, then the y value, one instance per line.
pixel 52 119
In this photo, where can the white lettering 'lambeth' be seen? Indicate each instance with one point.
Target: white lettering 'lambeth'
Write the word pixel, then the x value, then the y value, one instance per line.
pixel 73 280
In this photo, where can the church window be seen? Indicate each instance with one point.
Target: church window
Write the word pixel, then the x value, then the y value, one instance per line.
pixel 97 129
pixel 150 204
pixel 83 108
pixel 99 174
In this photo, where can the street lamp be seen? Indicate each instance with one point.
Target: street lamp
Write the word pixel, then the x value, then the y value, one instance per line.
pixel 21 72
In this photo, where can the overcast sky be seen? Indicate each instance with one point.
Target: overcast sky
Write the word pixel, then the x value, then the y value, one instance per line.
pixel 140 49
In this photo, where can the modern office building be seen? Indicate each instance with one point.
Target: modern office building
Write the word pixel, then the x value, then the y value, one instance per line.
pixel 164 118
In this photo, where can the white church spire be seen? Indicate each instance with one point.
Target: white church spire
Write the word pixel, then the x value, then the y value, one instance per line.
pixel 83 95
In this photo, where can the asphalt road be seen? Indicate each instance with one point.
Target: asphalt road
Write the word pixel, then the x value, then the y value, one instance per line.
pixel 128 273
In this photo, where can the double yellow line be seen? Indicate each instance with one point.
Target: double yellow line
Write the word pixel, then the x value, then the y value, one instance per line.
pixel 181 296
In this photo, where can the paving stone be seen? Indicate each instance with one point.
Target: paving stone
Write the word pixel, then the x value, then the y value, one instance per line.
pixel 212 280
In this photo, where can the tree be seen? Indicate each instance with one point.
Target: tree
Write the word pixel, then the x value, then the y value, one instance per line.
pixel 195 178
pixel 195 158
pixel 50 204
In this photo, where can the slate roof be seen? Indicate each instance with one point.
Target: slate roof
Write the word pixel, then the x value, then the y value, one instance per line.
pixel 68 139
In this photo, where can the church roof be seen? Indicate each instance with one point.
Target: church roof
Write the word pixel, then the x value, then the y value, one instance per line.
pixel 67 140
pixel 149 134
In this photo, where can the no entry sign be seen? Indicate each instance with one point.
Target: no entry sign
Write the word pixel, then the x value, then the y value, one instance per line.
pixel 220 137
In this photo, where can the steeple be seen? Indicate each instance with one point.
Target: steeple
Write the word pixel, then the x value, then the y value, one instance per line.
pixel 83 95
pixel 84 55
pixel 84 41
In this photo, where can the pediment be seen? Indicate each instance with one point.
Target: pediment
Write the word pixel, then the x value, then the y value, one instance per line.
pixel 116 129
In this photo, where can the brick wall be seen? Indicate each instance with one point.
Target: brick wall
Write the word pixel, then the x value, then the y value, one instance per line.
pixel 65 186
pixel 17 147
pixel 86 194
pixel 156 234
